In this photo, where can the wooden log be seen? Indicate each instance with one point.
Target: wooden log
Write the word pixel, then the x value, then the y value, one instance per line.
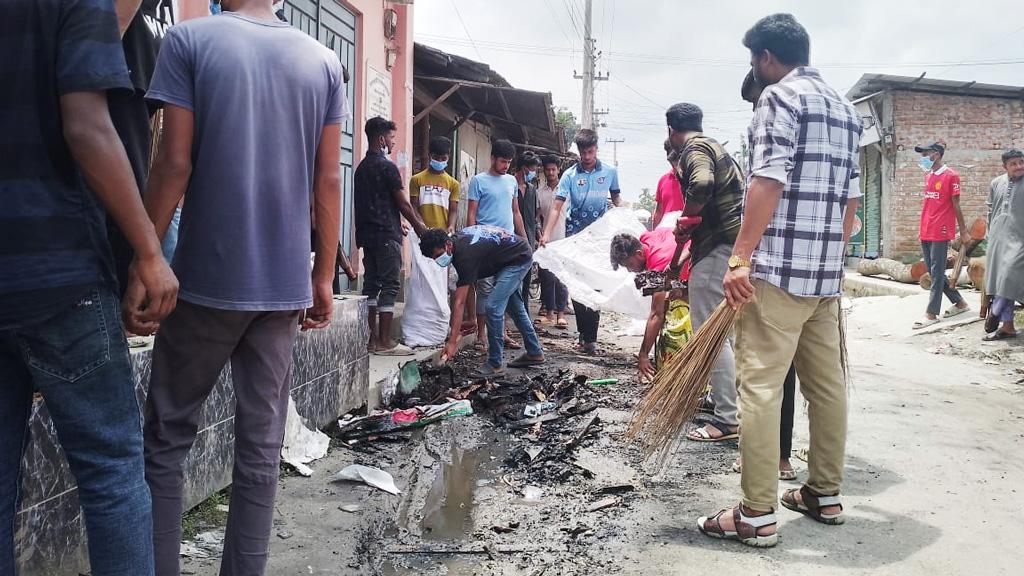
pixel 926 280
pixel 898 271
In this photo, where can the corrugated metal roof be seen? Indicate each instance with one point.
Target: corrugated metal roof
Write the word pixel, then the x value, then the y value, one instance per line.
pixel 870 84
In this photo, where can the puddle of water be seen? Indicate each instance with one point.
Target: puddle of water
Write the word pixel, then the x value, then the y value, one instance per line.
pixel 418 566
pixel 448 507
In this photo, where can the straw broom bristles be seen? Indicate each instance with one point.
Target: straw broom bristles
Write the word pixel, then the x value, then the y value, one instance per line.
pixel 674 396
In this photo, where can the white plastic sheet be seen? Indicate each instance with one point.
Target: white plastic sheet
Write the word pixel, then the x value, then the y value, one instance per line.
pixel 426 316
pixel 302 445
pixel 582 263
pixel 368 475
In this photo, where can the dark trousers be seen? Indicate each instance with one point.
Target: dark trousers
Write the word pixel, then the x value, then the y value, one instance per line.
pixel 553 294
pixel 192 346
pixel 788 408
pixel 527 280
pixel 587 322
pixel 935 258
pixel 78 360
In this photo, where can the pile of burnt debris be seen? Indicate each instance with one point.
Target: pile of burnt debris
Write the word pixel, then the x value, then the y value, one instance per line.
pixel 548 415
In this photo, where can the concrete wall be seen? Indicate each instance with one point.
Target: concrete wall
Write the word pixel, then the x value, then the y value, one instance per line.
pixel 976 131
pixel 330 376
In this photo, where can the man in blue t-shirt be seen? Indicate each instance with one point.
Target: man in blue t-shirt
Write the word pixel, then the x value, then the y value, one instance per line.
pixel 250 157
pixel 494 201
pixel 60 329
pixel 586 187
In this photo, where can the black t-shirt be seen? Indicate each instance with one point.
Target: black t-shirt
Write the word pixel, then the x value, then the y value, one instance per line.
pixel 482 251
pixel 376 211
pixel 142 39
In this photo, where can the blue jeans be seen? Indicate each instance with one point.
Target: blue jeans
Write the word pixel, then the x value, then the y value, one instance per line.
pixel 507 296
pixel 935 258
pixel 79 361
pixel 170 243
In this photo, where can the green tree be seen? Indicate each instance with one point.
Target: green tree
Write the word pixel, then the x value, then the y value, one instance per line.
pixel 646 201
pixel 567 120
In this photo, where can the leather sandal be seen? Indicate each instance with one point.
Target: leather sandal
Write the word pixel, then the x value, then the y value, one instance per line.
pixel 746 528
pixel 812 504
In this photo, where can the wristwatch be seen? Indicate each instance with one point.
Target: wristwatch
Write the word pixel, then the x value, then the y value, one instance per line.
pixel 737 262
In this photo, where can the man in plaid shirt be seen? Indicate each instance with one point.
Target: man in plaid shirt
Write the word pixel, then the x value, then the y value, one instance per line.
pixel 801 198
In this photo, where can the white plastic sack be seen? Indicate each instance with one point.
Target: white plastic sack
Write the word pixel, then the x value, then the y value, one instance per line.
pixel 582 263
pixel 426 316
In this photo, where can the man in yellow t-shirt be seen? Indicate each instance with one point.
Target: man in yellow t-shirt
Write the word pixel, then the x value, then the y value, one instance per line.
pixel 434 192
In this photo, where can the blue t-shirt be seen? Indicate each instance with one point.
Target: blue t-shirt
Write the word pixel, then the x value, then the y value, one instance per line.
pixel 261 92
pixel 494 195
pixel 587 194
pixel 53 240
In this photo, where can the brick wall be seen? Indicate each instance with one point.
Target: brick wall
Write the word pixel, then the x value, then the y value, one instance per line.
pixel 976 131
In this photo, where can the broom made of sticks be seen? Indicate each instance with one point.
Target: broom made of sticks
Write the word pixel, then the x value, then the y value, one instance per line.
pixel 675 393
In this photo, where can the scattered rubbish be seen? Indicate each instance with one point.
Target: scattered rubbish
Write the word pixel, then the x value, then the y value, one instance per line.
pixel 527 422
pixel 603 382
pixel 604 503
pixel 577 530
pixel 534 410
pixel 389 387
pixel 284 535
pixel 350 508
pixel 372 476
pixel 533 452
pixel 223 508
pixel 382 423
pixel 502 529
pixel 302 445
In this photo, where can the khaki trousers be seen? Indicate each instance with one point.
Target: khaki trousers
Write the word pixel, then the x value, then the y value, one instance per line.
pixel 773 330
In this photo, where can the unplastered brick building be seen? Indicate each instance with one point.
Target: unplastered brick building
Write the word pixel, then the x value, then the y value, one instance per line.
pixel 976 121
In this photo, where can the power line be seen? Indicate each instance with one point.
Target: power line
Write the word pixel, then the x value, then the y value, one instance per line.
pixel 558 22
pixel 572 17
pixel 639 93
pixel 466 30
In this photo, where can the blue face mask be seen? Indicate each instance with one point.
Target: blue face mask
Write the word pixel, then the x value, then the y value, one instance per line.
pixel 215 7
pixel 443 260
pixel 530 176
pixel 437 165
pixel 926 163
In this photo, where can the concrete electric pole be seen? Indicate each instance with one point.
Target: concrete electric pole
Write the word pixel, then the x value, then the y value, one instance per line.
pixel 615 149
pixel 590 75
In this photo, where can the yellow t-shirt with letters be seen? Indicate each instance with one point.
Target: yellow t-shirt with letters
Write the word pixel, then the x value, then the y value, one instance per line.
pixel 435 192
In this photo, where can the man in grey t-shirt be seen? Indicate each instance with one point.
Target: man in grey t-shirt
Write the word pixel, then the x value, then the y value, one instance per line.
pixel 252 114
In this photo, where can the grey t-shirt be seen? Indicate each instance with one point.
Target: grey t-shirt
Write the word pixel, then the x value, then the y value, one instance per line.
pixel 261 92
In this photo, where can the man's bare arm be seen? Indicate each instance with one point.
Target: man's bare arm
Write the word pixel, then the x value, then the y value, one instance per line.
pixel 849 218
pixel 517 219
pixel 471 216
pixel 453 215
pixel 99 153
pixel 327 214
pixel 172 170
pixel 551 220
pixel 410 214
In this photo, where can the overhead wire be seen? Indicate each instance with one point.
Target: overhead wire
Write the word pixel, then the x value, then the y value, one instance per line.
pixel 466 30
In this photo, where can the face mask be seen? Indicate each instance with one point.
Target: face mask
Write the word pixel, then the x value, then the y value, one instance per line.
pixel 437 165
pixel 530 176
pixel 926 163
pixel 443 260
pixel 215 7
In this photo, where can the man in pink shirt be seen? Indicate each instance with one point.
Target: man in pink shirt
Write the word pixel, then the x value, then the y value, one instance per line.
pixel 668 196
pixel 652 251
pixel 940 215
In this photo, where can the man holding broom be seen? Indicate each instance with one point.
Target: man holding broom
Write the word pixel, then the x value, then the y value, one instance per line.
pixel 798 212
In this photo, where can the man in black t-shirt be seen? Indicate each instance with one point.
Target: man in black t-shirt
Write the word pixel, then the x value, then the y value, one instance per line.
pixel 482 252
pixel 379 204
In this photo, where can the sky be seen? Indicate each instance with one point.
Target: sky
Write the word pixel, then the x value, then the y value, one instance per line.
pixel 659 52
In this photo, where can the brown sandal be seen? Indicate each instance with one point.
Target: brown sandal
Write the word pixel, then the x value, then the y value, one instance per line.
pixel 812 504
pixel 746 528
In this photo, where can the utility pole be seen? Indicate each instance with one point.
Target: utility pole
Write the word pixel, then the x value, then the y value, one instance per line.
pixel 590 74
pixel 615 149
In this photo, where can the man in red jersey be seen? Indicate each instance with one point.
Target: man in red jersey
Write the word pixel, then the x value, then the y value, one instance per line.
pixel 940 215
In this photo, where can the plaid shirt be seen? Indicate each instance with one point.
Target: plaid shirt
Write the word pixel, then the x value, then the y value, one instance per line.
pixel 806 136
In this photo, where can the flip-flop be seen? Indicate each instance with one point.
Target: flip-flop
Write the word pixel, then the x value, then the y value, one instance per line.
pixel 512 344
pixel 488 371
pixel 925 323
pixel 525 361
pixel 999 335
pixel 398 350
pixel 954 311
pixel 701 434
